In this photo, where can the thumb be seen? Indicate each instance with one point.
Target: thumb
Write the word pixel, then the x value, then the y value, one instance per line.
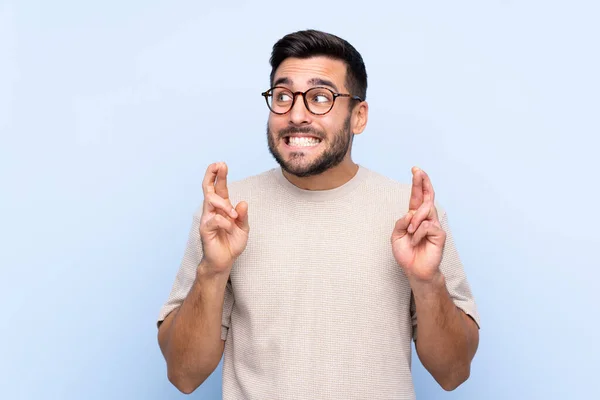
pixel 242 219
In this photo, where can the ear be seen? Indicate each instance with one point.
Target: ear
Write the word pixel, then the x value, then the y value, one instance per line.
pixel 360 115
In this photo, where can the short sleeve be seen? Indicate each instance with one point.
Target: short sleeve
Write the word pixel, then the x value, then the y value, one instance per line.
pixel 456 279
pixel 187 274
pixel 227 307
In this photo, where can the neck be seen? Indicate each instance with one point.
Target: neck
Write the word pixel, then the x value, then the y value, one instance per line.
pixel 330 179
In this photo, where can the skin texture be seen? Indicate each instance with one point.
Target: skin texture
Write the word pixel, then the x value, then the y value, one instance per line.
pixel 189 337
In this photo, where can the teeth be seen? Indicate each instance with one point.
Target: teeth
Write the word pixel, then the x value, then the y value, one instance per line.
pixel 303 141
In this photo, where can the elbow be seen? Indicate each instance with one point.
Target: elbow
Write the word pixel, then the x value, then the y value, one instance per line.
pixel 183 383
pixel 188 379
pixel 455 378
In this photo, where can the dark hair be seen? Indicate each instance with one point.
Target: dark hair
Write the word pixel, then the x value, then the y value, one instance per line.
pixel 310 43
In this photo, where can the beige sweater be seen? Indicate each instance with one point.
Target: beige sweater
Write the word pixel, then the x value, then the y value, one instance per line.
pixel 317 307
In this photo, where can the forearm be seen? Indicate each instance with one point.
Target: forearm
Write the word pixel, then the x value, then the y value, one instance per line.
pixel 446 341
pixel 190 338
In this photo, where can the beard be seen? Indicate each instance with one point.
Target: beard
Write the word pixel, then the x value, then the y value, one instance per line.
pixel 331 156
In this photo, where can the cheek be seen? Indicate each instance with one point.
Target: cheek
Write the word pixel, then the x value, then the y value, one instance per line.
pixel 275 124
pixel 329 127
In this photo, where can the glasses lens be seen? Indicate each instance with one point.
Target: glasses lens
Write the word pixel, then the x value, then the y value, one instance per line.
pixel 319 100
pixel 280 100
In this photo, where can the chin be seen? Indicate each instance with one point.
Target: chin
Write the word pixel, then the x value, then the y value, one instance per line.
pixel 299 172
pixel 299 169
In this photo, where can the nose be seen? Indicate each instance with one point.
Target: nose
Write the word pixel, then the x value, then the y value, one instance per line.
pixel 299 115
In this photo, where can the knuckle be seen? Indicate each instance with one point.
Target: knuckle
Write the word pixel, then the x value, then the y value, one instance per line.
pixel 212 197
pixel 208 199
pixel 205 218
pixel 205 226
pixel 215 200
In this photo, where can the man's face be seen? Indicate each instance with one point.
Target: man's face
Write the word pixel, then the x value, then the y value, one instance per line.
pixel 305 144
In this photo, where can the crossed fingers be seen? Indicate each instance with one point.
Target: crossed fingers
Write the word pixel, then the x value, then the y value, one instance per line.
pixel 422 205
pixel 216 195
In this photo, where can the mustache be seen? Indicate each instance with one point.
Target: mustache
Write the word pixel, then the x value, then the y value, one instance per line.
pixel 295 130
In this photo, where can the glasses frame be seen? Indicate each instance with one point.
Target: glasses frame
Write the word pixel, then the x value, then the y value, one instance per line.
pixel 335 95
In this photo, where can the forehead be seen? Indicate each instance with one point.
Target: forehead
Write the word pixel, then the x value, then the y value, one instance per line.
pixel 303 73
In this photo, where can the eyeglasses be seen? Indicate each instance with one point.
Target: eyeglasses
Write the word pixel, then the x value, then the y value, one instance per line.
pixel 318 100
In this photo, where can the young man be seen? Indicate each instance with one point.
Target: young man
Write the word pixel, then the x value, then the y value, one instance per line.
pixel 313 278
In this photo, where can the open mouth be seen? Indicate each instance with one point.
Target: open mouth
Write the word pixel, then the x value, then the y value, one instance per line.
pixel 302 141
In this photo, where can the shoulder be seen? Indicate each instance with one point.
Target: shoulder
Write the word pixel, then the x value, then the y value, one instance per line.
pixel 245 188
pixel 385 188
pixel 384 182
pixel 390 190
pixel 253 188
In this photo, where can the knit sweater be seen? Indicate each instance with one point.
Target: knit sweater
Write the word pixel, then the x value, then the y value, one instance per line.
pixel 316 306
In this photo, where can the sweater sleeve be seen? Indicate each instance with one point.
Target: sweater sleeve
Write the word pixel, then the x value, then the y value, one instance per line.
pixel 456 280
pixel 185 278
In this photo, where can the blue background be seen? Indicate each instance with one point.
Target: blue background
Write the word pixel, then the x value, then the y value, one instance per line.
pixel 110 112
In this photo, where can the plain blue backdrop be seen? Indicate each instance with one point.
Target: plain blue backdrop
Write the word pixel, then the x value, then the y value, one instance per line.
pixel 110 112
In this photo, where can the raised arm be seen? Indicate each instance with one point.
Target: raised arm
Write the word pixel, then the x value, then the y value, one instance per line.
pixel 447 338
pixel 190 336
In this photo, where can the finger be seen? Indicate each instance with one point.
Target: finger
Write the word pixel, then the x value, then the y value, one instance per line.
pixel 221 184
pixel 429 196
pixel 416 192
pixel 402 224
pixel 219 222
pixel 242 220
pixel 421 214
pixel 214 202
pixel 428 230
pixel 208 183
pixel 428 193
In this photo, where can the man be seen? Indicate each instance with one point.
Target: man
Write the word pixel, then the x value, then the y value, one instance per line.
pixel 313 278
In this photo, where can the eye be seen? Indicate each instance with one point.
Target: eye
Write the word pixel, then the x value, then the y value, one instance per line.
pixel 282 96
pixel 321 97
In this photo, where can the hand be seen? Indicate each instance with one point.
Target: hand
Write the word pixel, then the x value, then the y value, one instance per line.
pixel 223 228
pixel 418 239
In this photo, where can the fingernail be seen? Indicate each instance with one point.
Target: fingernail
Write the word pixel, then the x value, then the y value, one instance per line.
pixel 410 228
pixel 234 213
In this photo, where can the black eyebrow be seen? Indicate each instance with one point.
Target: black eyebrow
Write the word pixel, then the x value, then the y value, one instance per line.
pixel 282 81
pixel 312 82
pixel 322 82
